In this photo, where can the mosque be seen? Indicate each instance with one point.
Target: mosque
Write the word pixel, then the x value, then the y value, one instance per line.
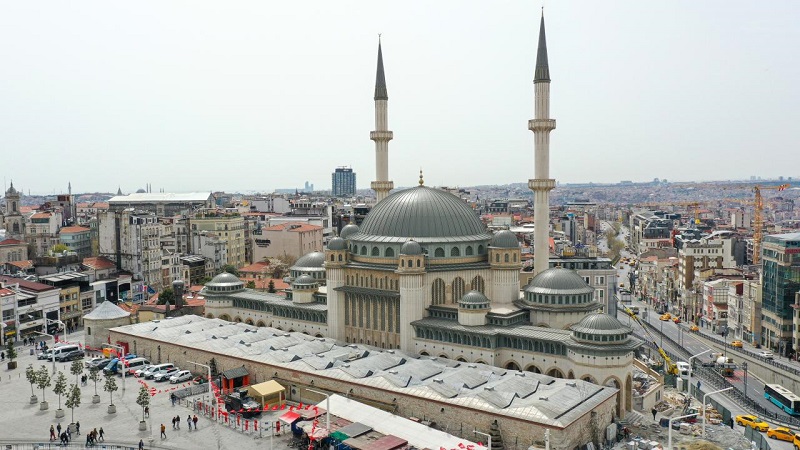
pixel 422 274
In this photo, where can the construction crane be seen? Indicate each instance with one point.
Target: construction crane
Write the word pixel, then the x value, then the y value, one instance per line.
pixel 758 219
pixel 672 368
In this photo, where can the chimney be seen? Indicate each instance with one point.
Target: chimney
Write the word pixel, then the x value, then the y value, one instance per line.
pixel 177 288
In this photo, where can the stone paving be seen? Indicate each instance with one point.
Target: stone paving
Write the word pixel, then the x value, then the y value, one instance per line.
pixel 21 421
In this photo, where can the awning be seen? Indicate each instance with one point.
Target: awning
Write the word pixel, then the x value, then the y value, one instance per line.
pixel 289 417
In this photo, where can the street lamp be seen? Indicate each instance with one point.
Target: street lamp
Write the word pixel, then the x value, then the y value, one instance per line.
pixel 705 412
pixel 209 380
pixel 488 436
pixel 327 409
pixel 669 433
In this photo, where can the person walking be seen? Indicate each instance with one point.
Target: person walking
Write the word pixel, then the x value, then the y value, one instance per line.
pixel 141 444
pixel 78 428
pixel 163 431
pixel 194 420
pixel 58 428
pixel 88 439
pixel 178 422
pixel 2 356
pixel 173 423
pixel 654 411
pixel 173 398
pixel 189 422
pixel 100 435
pixel 52 433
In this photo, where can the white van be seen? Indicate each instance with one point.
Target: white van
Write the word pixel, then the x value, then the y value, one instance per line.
pixel 684 368
pixel 151 371
pixel 135 364
pixel 63 350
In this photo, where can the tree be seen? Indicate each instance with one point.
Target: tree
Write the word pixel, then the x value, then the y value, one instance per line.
pixel 61 386
pixel 110 385
pixel 94 375
pixel 167 295
pixel 73 399
pixel 11 352
pixel 60 248
pixel 143 399
pixel 30 375
pixel 271 287
pixel 230 269
pixel 251 284
pixel 43 379
pixel 76 369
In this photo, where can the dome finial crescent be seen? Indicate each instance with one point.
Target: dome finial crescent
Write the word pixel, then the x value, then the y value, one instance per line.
pixel 421 181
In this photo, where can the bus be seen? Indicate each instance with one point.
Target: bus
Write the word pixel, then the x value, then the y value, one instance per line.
pixel 782 398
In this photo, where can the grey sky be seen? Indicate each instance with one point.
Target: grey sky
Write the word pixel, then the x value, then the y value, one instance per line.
pixel 261 95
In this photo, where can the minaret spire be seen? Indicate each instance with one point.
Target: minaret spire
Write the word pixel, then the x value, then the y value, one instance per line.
pixel 542 184
pixel 381 136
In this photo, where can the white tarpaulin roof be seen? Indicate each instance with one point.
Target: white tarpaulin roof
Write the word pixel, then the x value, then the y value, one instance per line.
pixel 417 434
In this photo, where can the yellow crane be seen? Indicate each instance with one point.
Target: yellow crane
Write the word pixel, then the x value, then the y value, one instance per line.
pixel 758 218
pixel 672 368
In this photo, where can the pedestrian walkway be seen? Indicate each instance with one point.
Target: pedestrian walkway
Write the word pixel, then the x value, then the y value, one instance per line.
pixel 23 423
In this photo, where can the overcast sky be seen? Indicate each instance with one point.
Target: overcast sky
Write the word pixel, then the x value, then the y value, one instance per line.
pixel 261 95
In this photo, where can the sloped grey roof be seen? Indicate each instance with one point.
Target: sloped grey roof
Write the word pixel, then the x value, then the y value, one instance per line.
pixel 504 239
pixel 559 281
pixel 313 260
pixel 423 214
pixel 236 372
pixel 107 310
pixel 600 323
pixel 304 280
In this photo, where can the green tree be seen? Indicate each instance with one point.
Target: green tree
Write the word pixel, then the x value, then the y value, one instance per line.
pixel 271 287
pixel 61 386
pixel 43 379
pixel 60 248
pixel 167 295
pixel 251 284
pixel 94 375
pixel 230 269
pixel 73 399
pixel 30 375
pixel 11 351
pixel 110 385
pixel 76 368
pixel 143 399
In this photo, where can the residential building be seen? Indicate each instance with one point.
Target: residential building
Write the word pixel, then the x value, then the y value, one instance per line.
pixel 37 304
pixel 132 239
pixel 70 286
pixel 12 250
pixel 751 311
pixel 171 269
pixel 713 251
pixel 288 239
pixel 196 265
pixel 343 182
pixel 162 204
pixel 77 240
pixel 650 229
pixel 227 226
pixel 213 248
pixel 42 232
pixel 780 285
pixel 8 313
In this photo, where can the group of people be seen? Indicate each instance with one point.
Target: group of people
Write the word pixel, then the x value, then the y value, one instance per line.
pixel 65 436
pixel 176 422
pixel 94 436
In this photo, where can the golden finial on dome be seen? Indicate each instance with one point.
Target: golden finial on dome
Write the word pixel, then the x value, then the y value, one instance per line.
pixel 421 181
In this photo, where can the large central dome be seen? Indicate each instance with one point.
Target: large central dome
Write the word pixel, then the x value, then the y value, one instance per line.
pixel 422 212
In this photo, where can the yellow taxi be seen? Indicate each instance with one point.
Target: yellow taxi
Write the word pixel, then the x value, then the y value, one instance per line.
pixel 781 434
pixel 737 343
pixel 749 420
pixel 694 328
pixel 676 319
pixel 665 317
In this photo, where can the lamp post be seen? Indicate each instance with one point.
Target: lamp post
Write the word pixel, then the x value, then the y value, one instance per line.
pixel 327 409
pixel 52 353
pixel 744 368
pixel 669 433
pixel 209 380
pixel 691 367
pixel 121 357
pixel 705 414
pixel 488 436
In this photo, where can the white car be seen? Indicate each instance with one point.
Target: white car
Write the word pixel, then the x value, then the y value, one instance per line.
pixel 179 377
pixel 165 374
pixel 140 372
pixel 766 354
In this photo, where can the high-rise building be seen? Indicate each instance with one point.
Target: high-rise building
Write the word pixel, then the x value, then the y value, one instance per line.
pixel 344 182
pixel 780 285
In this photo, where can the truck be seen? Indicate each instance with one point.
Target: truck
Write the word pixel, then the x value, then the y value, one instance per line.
pixel 240 403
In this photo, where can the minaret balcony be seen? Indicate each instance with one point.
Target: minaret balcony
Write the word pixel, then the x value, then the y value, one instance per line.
pixel 542 185
pixel 382 185
pixel 541 125
pixel 381 135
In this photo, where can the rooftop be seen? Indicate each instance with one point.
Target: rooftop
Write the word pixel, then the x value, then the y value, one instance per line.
pixel 149 197
pixel 69 230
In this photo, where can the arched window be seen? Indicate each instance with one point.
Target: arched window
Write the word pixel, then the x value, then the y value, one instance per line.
pixel 16 227
pixel 437 292
pixel 468 252
pixel 402 263
pixel 332 258
pixel 389 252
pixel 363 249
pixel 506 257
pixel 458 289
pixel 340 257
pixel 14 206
pixel 455 251
pixel 419 263
pixel 439 252
pixel 480 249
pixel 497 257
pixel 515 257
pixel 477 284
pixel 89 331
pixel 376 251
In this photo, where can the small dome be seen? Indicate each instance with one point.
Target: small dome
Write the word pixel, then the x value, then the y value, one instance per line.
pixel 107 310
pixel 337 243
pixel 311 260
pixel 559 281
pixel 304 280
pixel 348 230
pixel 504 239
pixel 600 323
pixel 224 279
pixel 475 298
pixel 411 248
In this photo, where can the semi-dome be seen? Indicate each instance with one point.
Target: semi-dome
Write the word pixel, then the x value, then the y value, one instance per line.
pixel 348 230
pixel 475 299
pixel 224 283
pixel 424 214
pixel 304 280
pixel 310 260
pixel 337 243
pixel 504 239
pixel 411 248
pixel 600 323
pixel 559 281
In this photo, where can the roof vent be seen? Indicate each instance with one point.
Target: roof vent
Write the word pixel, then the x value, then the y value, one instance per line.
pixel 247 344
pixel 472 366
pixel 224 337
pixel 393 372
pixel 353 346
pixel 543 398
pixel 345 365
pixel 520 374
pixel 285 349
pixel 391 352
pixel 213 337
pixel 438 380
pixel 286 335
pixel 489 388
pixel 572 384
pixel 187 332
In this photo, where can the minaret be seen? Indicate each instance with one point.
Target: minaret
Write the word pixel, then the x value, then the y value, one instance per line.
pixel 542 184
pixel 381 135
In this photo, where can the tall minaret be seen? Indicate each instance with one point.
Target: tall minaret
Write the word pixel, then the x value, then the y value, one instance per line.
pixel 542 184
pixel 381 135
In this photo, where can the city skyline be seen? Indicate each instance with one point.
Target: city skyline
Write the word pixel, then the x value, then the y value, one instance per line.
pixel 259 97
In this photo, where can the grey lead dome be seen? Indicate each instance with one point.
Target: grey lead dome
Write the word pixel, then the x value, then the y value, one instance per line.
pixel 337 243
pixel 411 248
pixel 504 239
pixel 313 260
pixel 348 230
pixel 559 281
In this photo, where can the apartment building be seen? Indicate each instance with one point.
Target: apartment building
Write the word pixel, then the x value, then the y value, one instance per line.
pixel 781 283
pixel 36 304
pixel 132 239
pixel 70 286
pixel 290 239
pixel 77 240
pixel 650 229
pixel 226 226
pixel 12 250
pixel 712 251
pixel 42 231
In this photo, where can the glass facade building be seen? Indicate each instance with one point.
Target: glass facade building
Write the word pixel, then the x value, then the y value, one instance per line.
pixel 344 182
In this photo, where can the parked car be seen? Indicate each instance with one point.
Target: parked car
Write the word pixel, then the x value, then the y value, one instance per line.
pixel 781 433
pixel 165 374
pixel 70 356
pixel 97 363
pixel 676 319
pixel 694 328
pixel 239 401
pixel 151 371
pixel 180 377
pixel 140 372
pixel 766 354
pixel 45 355
pixel 737 343
pixel 200 379
pixel 748 420
pixel 665 317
